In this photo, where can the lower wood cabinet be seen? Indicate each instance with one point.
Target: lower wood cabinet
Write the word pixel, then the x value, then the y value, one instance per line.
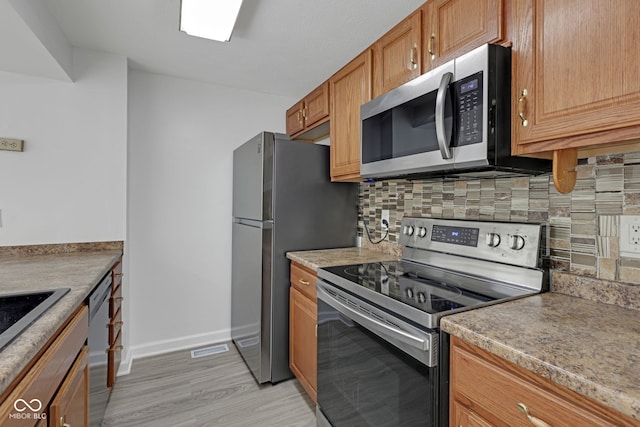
pixel 70 407
pixel 56 386
pixel 487 390
pixel 115 324
pixel 303 320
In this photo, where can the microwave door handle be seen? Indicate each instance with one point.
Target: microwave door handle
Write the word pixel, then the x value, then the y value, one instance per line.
pixel 441 133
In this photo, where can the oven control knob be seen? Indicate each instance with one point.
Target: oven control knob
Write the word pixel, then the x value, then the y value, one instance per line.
pixel 516 242
pixel 493 239
pixel 422 298
pixel 409 293
pixel 422 232
pixel 408 230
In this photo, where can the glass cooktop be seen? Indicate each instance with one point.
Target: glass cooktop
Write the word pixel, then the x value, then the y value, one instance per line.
pixel 419 292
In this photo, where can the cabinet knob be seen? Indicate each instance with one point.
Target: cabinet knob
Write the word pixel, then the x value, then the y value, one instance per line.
pixel 63 424
pixel 523 120
pixel 537 422
pixel 304 282
pixel 430 51
pixel 413 64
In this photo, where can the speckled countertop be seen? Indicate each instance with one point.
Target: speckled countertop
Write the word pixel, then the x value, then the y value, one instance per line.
pixel 22 273
pixel 587 346
pixel 343 256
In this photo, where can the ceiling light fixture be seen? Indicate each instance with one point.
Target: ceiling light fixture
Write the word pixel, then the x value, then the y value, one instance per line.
pixel 209 19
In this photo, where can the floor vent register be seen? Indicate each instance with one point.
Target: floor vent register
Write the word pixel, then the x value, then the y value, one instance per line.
pixel 209 351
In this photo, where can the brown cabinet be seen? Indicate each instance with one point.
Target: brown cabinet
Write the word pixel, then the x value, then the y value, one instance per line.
pixel 349 88
pixel 453 27
pixel 397 55
pixel 487 390
pixel 576 87
pixel 303 320
pixel 56 384
pixel 70 407
pixel 115 323
pixel 307 119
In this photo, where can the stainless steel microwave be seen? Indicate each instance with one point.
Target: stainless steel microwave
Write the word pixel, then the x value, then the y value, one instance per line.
pixel 453 121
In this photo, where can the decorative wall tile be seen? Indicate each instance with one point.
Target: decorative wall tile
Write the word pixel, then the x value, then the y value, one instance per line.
pixel 583 225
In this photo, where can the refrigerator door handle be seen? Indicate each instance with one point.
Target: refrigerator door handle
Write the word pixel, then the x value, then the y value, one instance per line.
pixel 254 223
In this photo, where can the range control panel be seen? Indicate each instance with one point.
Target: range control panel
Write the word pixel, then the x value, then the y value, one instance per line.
pixel 506 242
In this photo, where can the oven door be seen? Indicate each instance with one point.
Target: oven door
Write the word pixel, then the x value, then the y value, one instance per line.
pixel 366 375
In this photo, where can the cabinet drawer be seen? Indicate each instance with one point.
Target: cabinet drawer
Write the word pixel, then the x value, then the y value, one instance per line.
pixel 114 326
pixel 46 375
pixel 115 351
pixel 493 388
pixel 304 280
pixel 115 300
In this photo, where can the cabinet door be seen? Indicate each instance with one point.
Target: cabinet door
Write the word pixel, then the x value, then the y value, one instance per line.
pixel 577 61
pixel 349 88
pixel 70 407
pixel 303 344
pixel 316 105
pixel 397 56
pixel 295 122
pixel 453 27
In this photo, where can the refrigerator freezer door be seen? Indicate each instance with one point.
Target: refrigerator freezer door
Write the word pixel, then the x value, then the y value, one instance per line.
pixel 251 284
pixel 252 178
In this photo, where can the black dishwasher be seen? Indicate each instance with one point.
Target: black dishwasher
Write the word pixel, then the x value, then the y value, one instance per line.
pixel 99 393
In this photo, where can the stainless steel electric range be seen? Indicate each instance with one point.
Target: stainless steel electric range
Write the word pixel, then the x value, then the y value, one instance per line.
pixel 382 359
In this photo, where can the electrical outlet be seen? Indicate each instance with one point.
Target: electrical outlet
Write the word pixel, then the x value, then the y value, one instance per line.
pixel 384 219
pixel 11 144
pixel 630 236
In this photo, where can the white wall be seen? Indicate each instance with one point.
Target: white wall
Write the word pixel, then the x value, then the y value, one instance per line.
pixel 181 138
pixel 69 184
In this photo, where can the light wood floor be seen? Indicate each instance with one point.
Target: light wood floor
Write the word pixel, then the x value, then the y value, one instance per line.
pixel 175 390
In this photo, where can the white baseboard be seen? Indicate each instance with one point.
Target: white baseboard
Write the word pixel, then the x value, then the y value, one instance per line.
pixel 125 363
pixel 167 346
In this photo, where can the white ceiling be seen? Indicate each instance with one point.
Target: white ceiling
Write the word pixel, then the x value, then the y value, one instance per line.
pixel 282 47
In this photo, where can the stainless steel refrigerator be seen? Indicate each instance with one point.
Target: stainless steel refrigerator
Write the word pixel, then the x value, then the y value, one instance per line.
pixel 283 201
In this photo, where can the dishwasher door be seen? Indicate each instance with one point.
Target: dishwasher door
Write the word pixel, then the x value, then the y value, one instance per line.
pixel 98 344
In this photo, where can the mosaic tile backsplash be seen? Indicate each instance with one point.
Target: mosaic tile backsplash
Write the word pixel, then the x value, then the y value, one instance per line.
pixel 583 225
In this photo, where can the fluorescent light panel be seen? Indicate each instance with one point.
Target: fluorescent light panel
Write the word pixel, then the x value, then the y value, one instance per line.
pixel 209 19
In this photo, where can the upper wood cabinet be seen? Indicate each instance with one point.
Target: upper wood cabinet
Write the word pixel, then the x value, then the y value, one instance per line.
pixel 306 116
pixel 397 55
pixel 349 88
pixel 295 120
pixel 576 86
pixel 453 27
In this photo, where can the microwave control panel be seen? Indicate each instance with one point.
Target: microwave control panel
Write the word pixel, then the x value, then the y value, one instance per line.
pixel 468 94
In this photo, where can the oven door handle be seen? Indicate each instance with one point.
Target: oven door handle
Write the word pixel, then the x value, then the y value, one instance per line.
pixel 372 324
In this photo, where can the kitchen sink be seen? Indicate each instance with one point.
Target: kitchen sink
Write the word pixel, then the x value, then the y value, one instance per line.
pixel 18 311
